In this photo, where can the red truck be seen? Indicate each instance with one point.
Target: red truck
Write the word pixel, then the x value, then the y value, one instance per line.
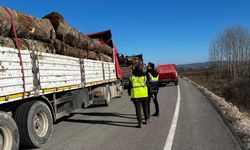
pixel 167 74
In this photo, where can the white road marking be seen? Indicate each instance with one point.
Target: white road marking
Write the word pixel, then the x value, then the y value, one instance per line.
pixel 171 133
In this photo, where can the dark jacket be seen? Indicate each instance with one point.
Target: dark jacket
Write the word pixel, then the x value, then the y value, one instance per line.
pixel 154 86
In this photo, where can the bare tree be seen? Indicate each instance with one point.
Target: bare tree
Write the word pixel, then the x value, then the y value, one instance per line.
pixel 230 52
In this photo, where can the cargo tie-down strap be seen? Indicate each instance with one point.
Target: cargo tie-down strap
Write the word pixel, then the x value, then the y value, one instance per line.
pixel 18 47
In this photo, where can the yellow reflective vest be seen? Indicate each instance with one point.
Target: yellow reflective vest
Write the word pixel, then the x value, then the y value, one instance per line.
pixel 153 79
pixel 154 82
pixel 139 88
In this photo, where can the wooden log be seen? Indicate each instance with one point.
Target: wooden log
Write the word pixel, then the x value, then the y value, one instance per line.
pixel 90 44
pixel 27 26
pixel 7 42
pixel 26 44
pixel 83 53
pixel 35 45
pixel 32 28
pixel 65 49
pixel 5 23
pixel 105 49
pixel 92 55
pixel 136 61
pixel 68 34
pixel 96 41
pixel 102 47
pixel 103 57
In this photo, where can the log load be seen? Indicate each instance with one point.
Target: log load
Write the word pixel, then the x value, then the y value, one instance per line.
pixel 103 48
pixel 27 26
pixel 132 61
pixel 64 49
pixel 92 55
pixel 26 44
pixel 7 42
pixel 68 34
pixel 136 61
pixel 52 34
pixel 106 49
pixel 103 57
pixel 35 45
pixel 75 38
pixel 5 24
pixel 57 47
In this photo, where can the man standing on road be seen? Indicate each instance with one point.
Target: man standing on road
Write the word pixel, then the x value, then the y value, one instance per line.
pixel 153 77
pixel 138 90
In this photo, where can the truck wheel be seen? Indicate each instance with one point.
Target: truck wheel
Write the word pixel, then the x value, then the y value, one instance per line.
pixel 107 97
pixel 35 123
pixel 121 91
pixel 9 135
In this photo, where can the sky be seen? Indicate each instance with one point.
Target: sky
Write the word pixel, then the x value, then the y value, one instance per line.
pixel 164 31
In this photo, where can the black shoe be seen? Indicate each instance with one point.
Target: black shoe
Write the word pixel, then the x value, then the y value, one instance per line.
pixel 139 125
pixel 146 122
pixel 156 114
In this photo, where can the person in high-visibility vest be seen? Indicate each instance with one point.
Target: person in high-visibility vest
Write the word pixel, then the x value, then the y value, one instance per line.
pixel 138 89
pixel 153 77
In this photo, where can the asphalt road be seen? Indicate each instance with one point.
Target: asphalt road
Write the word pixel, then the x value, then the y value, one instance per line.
pixel 199 126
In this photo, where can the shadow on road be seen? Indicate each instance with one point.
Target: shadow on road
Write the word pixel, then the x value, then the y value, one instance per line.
pixel 105 122
pixel 166 85
pixel 105 114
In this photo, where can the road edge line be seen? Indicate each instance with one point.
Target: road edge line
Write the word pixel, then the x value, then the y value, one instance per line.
pixel 171 133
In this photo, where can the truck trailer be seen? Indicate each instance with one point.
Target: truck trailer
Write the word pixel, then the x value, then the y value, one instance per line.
pixel 167 73
pixel 127 64
pixel 53 86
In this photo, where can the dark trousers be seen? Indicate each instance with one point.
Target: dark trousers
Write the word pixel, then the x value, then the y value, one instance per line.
pixel 155 103
pixel 138 104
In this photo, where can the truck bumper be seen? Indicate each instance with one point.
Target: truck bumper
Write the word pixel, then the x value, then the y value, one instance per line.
pixel 166 81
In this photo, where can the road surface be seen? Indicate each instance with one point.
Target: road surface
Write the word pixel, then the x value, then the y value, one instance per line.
pixel 199 127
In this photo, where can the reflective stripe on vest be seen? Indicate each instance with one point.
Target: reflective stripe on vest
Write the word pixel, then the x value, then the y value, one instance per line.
pixel 153 79
pixel 139 87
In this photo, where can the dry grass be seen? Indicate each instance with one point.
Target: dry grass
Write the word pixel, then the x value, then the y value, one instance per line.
pixel 236 91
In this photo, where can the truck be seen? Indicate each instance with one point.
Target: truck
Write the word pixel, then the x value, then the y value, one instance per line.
pixel 53 86
pixel 167 74
pixel 127 63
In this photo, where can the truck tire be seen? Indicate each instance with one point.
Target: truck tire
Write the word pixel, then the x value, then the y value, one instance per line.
pixel 35 123
pixel 9 135
pixel 107 96
pixel 121 91
pixel 176 83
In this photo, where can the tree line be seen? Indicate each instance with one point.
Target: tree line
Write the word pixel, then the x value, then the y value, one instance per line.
pixel 230 53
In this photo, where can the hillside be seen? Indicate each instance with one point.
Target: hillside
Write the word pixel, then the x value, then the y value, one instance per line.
pixel 195 65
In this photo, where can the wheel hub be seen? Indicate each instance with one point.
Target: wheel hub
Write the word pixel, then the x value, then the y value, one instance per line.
pixel 6 138
pixel 41 124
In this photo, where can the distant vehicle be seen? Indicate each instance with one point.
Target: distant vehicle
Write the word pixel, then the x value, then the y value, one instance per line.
pixel 127 64
pixel 167 74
